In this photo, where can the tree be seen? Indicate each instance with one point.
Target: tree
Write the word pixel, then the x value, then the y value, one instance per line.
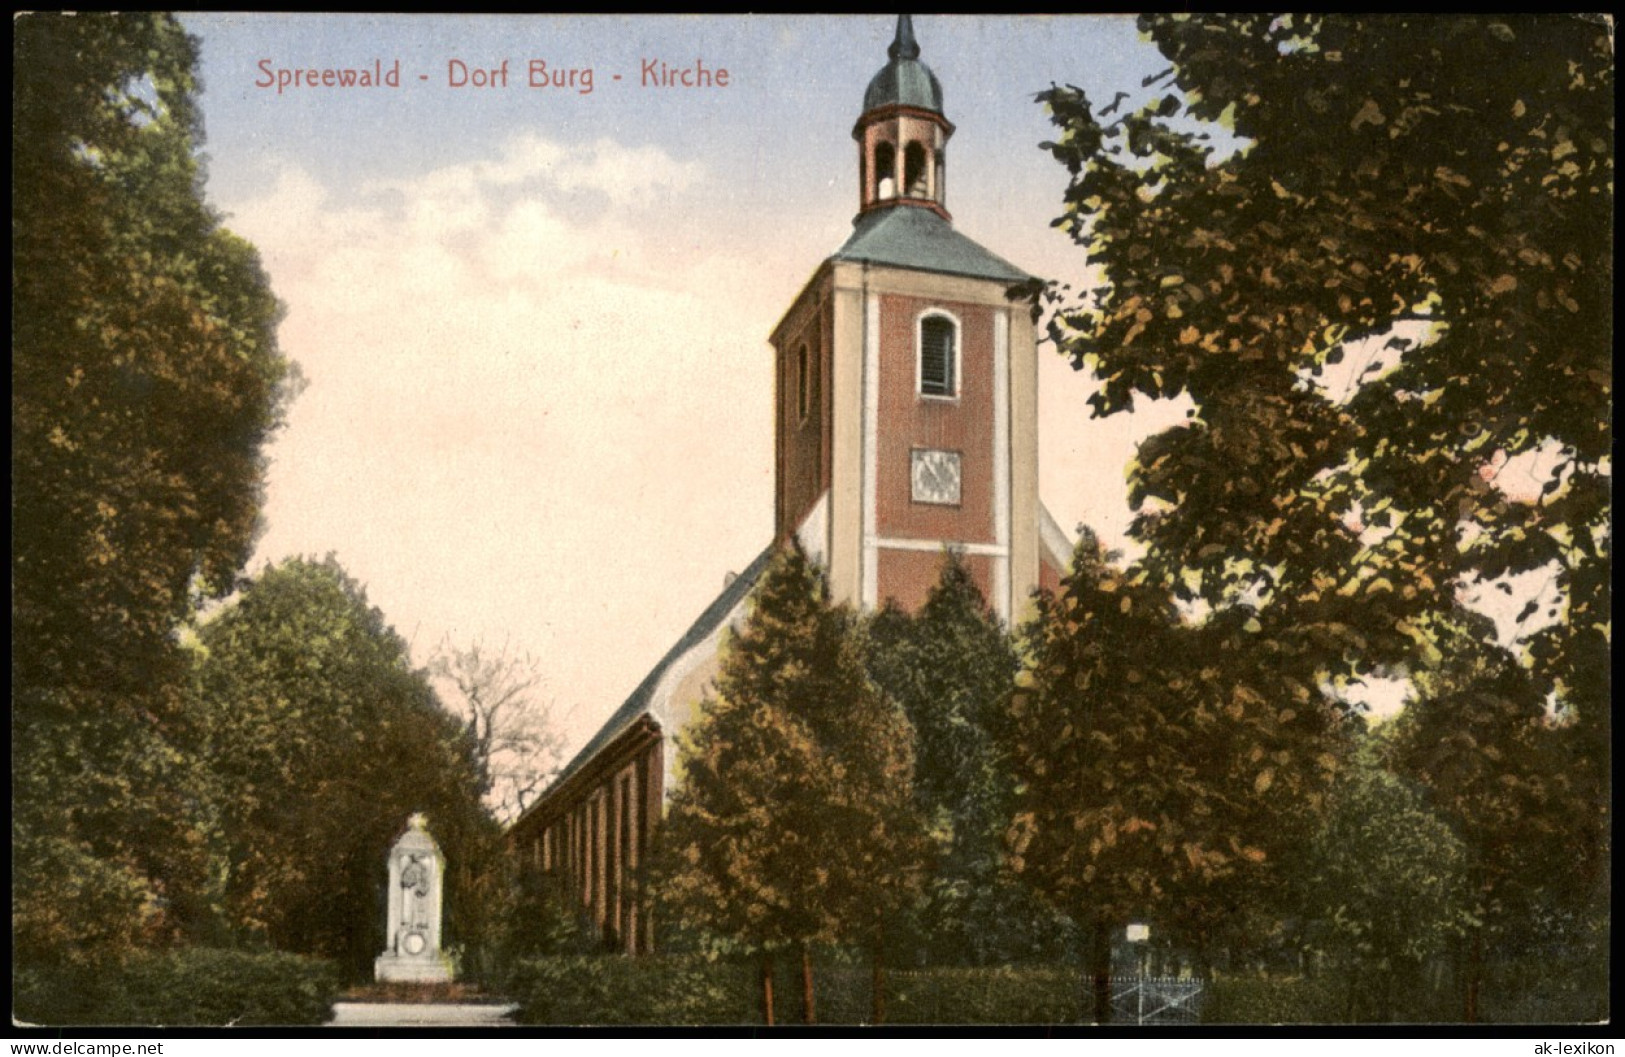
pixel 1516 782
pixel 952 668
pixel 877 832
pixel 516 741
pixel 1164 772
pixel 145 371
pixel 1375 252
pixel 323 741
pixel 145 382
pixel 1431 197
pixel 1386 887
pixel 792 824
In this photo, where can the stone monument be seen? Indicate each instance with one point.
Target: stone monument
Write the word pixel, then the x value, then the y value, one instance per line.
pixel 416 872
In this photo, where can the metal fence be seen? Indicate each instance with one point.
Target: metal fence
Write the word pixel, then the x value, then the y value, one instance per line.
pixel 1156 1000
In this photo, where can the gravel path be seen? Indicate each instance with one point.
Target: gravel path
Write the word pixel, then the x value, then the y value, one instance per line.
pixel 427 1014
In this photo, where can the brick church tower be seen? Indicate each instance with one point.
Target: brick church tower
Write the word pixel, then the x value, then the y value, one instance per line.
pixel 906 396
pixel 907 390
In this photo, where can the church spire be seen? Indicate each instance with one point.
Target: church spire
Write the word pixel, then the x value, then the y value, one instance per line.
pixel 902 132
pixel 904 46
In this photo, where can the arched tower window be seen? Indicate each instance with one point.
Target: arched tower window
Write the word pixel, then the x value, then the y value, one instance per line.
pixel 915 180
pixel 901 132
pixel 885 171
pixel 939 355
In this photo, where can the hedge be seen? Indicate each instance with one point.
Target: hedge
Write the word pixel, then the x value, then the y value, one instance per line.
pixel 186 987
pixel 612 989
pixel 1273 1000
pixel 674 990
pixel 691 991
pixel 1028 995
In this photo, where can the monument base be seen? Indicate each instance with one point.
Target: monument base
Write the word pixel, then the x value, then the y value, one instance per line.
pixel 419 969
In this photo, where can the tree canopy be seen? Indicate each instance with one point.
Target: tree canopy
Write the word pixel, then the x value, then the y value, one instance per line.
pixel 1376 252
pixel 496 694
pixel 952 668
pixel 1520 791
pixel 145 370
pixel 793 822
pixel 323 740
pixel 1165 772
pixel 145 381
pixel 1385 888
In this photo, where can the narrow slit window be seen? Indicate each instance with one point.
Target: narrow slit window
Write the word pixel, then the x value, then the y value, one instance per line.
pixel 803 383
pixel 937 334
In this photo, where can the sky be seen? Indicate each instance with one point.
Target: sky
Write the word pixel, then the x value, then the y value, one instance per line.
pixel 533 320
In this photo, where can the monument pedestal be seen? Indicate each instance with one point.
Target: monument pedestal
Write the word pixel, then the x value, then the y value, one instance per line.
pixel 397 968
pixel 416 868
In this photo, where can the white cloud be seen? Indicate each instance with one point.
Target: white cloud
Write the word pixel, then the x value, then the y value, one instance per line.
pixel 512 426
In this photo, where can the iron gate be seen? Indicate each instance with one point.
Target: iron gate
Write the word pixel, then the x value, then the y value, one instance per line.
pixel 1156 1000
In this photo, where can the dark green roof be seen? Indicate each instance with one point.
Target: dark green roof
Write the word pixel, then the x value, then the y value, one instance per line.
pixel 914 237
pixel 905 80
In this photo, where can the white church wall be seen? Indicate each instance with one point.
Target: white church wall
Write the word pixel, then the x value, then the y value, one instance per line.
pixel 813 533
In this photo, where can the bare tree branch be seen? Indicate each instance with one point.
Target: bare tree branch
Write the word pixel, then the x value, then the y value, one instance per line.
pixel 498 694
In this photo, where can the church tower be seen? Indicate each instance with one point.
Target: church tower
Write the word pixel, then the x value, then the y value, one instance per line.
pixel 906 425
pixel 906 379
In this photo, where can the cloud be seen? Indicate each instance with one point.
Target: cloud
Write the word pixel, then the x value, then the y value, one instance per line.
pixel 531 398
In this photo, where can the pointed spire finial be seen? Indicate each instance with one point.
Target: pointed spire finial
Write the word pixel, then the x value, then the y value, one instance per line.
pixel 904 46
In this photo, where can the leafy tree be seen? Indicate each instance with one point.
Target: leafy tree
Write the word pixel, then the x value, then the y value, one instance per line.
pixel 877 830
pixel 952 668
pixel 145 381
pixel 1516 782
pixel 1164 771
pixel 1430 196
pixel 1386 885
pixel 1376 254
pixel 793 822
pixel 323 740
pixel 145 371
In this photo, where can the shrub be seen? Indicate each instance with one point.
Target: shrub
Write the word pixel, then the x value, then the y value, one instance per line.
pixel 186 987
pixel 1557 973
pixel 1273 1000
pixel 56 994
pixel 535 917
pixel 983 996
pixel 691 990
pixel 611 989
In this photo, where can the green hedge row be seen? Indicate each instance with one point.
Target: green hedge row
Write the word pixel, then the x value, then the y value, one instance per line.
pixel 1273 1000
pixel 679 990
pixel 611 989
pixel 617 990
pixel 1540 995
pixel 1029 995
pixel 187 987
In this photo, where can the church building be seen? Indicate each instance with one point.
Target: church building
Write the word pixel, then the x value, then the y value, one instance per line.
pixel 906 399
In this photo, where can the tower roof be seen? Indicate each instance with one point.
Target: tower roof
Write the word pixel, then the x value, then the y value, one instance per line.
pixel 925 241
pixel 905 80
